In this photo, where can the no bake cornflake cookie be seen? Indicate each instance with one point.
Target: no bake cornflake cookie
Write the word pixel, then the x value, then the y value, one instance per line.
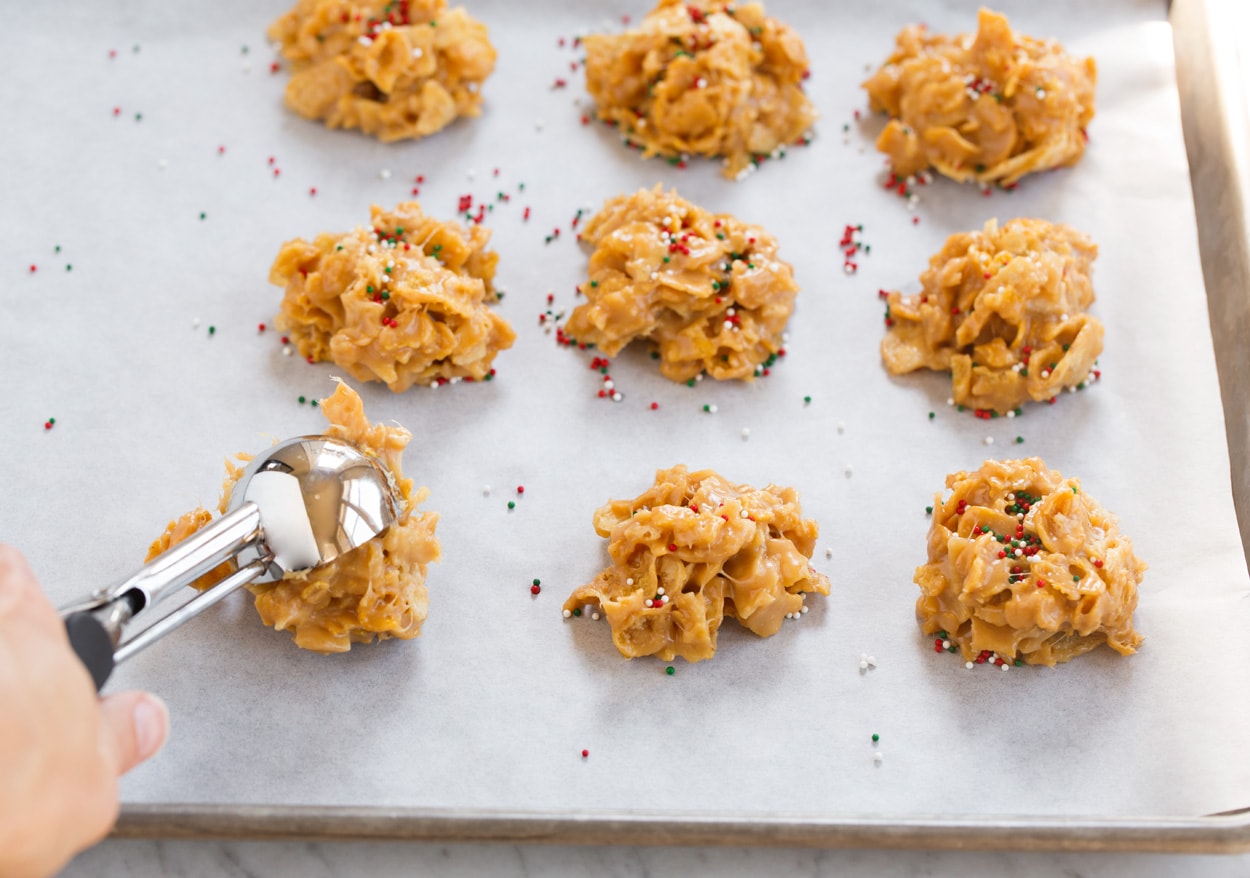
pixel 376 591
pixel 692 550
pixel 1003 310
pixel 990 106
pixel 706 289
pixel 1024 566
pixel 702 78
pixel 395 70
pixel 406 300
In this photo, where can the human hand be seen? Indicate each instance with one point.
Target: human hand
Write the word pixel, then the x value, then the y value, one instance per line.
pixel 62 749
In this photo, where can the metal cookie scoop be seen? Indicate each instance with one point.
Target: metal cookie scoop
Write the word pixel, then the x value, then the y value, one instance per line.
pixel 299 505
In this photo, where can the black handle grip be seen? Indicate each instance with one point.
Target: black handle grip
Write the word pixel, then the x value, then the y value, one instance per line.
pixel 93 645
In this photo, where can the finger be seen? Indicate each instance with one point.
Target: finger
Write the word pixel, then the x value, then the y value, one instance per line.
pixel 134 727
pixel 17 582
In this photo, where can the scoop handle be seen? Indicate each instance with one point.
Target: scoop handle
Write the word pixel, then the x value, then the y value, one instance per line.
pixel 92 643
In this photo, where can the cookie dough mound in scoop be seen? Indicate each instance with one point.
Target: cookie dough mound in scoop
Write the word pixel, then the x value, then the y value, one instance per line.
pixel 703 78
pixel 707 289
pixel 1024 565
pixel 395 70
pixel 990 106
pixel 692 550
pixel 376 591
pixel 1003 310
pixel 404 301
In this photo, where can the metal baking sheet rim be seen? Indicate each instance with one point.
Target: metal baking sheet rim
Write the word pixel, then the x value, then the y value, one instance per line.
pixel 1204 96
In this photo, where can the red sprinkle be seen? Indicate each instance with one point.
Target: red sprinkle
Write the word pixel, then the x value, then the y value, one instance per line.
pixel 312 191
pixel 585 753
pixel 275 67
pixel 260 327
pixel 34 268
pixel 520 489
pixel 654 406
pixel 535 588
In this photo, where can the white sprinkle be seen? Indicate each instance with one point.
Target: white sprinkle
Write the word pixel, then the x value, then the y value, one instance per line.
pixel 711 409
pixel 872 662
pixel 863 666
pixel 594 617
pixel 1045 373
pixel 742 513
pixel 385 173
pixel 698 377
pixel 162 164
pixel 828 553
pixel 364 40
pixel 246 66
pixel 989 440
pixel 1005 666
pixel 417 53
pixel 485 490
pixel 659 590
pixel 195 323
pixel 471 174
pixel 804 609
pixel 746 433
pixel 1011 413
pixel 850 471
pixel 841 428
pixel 629 581
pixel 617 397
pixel 538 124
pixel 286 350
pixel 968 665
pixel 877 758
pixel 647 603
pixel 568 613
pixel 950 400
pixel 946 644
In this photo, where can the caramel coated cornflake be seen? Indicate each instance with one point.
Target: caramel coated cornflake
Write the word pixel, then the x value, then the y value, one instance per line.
pixel 1024 566
pixel 706 289
pixel 404 301
pixel 990 106
pixel 703 78
pixel 693 549
pixel 1003 310
pixel 392 68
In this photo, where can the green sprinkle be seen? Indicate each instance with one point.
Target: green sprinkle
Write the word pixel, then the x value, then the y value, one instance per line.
pixel 577 612
pixel 369 289
pixel 666 259
pixel 932 415
pixel 433 23
pixel 301 400
pixel 203 215
pixel 138 117
pixel 670 670
pixel 399 230
pixel 537 582
pixel 69 267
pixel 51 420
pixel 875 737
pixel 313 403
pixel 339 247
pixel 807 400
pixel 1019 440
pixel 690 383
pixel 512 504
pixel 387 269
pixel 1018 662
pixel 707 408
pixel 56 249
pixel 386 296
pixel 213 329
pixel 928 510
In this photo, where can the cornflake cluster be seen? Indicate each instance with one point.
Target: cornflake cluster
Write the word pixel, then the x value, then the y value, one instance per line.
pixel 1003 310
pixel 1025 567
pixel 991 106
pixel 403 301
pixel 377 590
pixel 693 549
pixel 394 69
pixel 706 289
pixel 703 78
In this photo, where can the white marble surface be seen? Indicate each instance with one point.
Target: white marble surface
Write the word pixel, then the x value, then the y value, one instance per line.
pixel 173 859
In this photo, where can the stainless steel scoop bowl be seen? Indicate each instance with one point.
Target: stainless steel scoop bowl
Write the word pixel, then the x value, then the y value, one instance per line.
pixel 299 505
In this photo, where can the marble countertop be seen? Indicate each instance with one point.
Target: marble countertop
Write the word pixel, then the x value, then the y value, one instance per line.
pixel 193 859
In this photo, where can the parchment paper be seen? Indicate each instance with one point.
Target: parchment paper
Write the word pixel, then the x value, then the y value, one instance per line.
pixel 493 704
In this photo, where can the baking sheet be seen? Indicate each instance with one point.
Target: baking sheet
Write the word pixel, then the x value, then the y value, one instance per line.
pixel 115 159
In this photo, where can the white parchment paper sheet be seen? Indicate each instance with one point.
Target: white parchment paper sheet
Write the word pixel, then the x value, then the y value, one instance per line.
pixel 115 159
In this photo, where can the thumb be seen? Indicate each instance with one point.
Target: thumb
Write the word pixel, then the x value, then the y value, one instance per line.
pixel 134 726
